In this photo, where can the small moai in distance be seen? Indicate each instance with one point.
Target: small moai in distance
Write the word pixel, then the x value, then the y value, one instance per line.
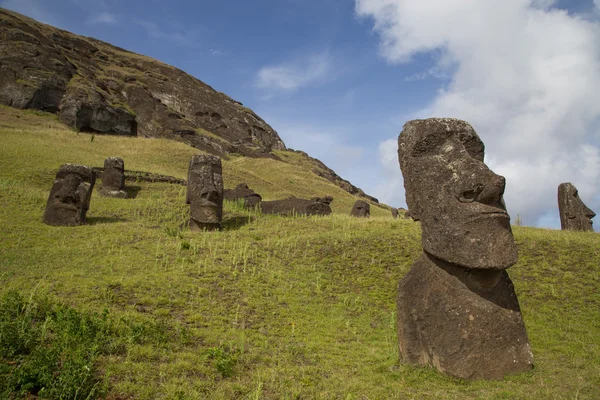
pixel 394 213
pixel 457 307
pixel 205 192
pixel 242 191
pixel 113 178
pixel 325 200
pixel 574 214
pixel 361 209
pixel 69 198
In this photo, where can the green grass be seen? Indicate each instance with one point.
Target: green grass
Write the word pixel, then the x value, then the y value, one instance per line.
pixel 269 308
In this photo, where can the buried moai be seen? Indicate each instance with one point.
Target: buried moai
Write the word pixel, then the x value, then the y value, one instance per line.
pixel 205 192
pixel 69 198
pixel 394 213
pixel 574 214
pixel 361 209
pixel 244 193
pixel 113 178
pixel 294 206
pixel 457 308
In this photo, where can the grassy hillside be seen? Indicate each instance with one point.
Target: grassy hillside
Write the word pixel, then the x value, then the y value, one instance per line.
pixel 131 306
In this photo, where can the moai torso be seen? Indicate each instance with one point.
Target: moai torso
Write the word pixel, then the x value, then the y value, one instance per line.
pixel 69 198
pixel 205 192
pixel 574 214
pixel 457 309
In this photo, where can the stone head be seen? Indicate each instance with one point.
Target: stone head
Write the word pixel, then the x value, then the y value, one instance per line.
pixel 361 209
pixel 205 189
pixel 574 214
pixel 457 198
pixel 70 195
pixel 114 173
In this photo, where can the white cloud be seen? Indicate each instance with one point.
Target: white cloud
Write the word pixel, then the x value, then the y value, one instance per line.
pixel 103 18
pixel 293 75
pixel 527 77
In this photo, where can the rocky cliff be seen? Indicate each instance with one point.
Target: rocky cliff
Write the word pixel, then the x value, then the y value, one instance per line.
pixel 96 87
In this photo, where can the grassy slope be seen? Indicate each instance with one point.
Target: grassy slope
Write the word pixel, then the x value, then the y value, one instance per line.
pixel 271 307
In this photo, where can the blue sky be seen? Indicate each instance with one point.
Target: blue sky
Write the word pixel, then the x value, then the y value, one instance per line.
pixel 339 78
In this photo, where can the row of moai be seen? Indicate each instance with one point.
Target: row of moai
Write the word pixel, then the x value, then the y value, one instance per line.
pixel 205 195
pixel 71 192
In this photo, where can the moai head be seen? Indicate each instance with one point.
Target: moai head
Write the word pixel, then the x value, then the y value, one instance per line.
pixel 70 195
pixel 361 209
pixel 205 192
pixel 574 215
pixel 457 198
pixel 394 213
pixel 113 177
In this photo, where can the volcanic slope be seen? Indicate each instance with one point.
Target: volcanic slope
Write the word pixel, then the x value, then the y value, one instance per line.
pixel 96 87
pixel 134 306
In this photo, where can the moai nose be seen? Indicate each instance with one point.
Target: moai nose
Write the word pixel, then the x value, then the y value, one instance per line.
pixel 588 213
pixel 210 195
pixel 493 190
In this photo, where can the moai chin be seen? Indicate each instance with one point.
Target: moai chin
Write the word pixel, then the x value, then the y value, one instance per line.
pixel 574 214
pixel 205 192
pixel 69 198
pixel 113 178
pixel 361 209
pixel 457 308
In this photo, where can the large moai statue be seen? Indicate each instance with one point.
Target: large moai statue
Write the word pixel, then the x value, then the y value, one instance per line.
pixel 361 209
pixel 70 195
pixel 574 214
pixel 205 192
pixel 457 308
pixel 113 178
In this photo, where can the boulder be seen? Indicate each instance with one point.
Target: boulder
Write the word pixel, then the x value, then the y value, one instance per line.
pixel 69 198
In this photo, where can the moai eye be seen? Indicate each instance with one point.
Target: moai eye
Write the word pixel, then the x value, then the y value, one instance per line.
pixel 468 196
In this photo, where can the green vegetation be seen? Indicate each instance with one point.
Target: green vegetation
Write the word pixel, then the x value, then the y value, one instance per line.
pixel 269 308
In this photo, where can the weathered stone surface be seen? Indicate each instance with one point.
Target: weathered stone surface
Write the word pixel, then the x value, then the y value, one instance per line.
pixel 574 214
pixel 242 191
pixel 457 309
pixel 69 198
pixel 113 178
pixel 464 322
pixel 454 194
pixel 326 200
pixel 361 209
pixel 295 206
pixel 394 213
pixel 205 192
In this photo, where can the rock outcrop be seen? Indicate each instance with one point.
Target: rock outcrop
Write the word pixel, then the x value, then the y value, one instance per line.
pixel 97 87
